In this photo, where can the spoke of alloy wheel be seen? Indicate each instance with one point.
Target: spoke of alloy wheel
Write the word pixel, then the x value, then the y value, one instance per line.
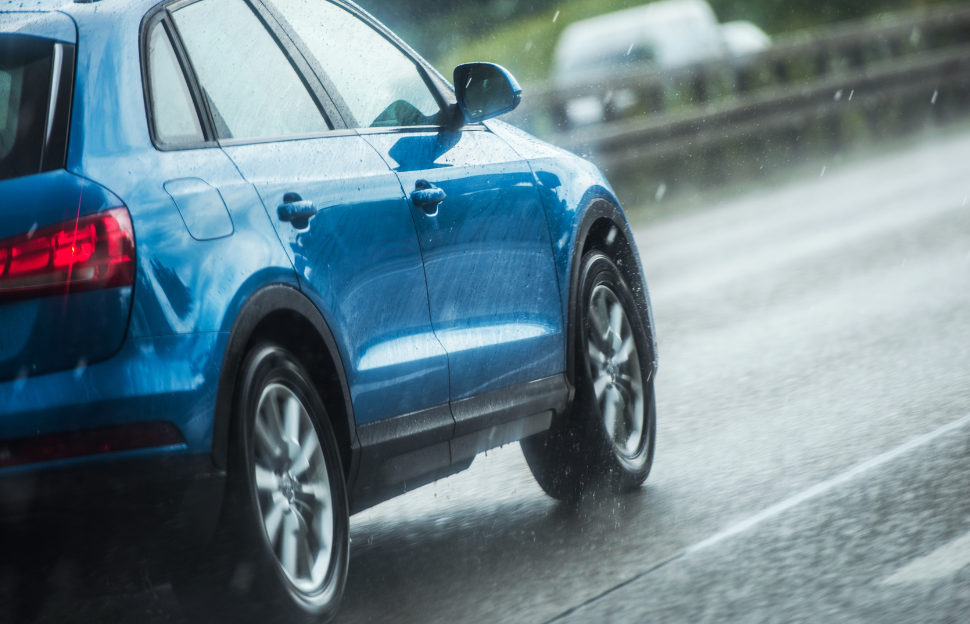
pixel 266 479
pixel 307 544
pixel 274 518
pixel 319 491
pixel 599 317
pixel 620 434
pixel 270 409
pixel 268 436
pixel 600 384
pixel 292 423
pixel 631 419
pixel 616 324
pixel 309 446
pixel 595 354
pixel 623 353
pixel 288 556
pixel 609 413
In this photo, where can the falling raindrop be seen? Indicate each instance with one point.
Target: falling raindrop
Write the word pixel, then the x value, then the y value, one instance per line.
pixel 823 172
pixel 30 232
pixel 850 94
pixel 933 99
pixel 555 17
pixel 630 49
pixel 661 191
pixel 838 95
pixel 528 46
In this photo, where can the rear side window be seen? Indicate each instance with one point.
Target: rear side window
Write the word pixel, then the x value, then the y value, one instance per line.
pixel 25 85
pixel 175 116
pixel 252 89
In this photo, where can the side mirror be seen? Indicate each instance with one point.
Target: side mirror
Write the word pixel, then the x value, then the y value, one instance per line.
pixel 485 90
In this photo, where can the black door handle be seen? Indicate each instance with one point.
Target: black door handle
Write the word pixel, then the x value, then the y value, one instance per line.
pixel 427 196
pixel 296 210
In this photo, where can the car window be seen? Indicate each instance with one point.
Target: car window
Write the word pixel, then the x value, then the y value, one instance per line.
pixel 25 82
pixel 381 86
pixel 252 89
pixel 175 116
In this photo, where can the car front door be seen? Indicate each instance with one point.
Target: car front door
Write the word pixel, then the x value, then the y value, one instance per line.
pixel 336 206
pixel 492 285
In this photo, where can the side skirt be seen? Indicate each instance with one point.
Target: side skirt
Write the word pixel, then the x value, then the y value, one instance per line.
pixel 405 452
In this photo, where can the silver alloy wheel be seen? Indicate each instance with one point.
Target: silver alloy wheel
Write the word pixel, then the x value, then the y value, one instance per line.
pixel 615 369
pixel 293 488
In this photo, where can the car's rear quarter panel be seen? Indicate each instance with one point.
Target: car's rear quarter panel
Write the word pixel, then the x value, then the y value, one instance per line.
pixel 187 292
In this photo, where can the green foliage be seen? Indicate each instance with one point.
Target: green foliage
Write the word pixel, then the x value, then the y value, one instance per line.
pixel 521 34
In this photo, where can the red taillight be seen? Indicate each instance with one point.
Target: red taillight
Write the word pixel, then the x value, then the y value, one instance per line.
pixel 93 252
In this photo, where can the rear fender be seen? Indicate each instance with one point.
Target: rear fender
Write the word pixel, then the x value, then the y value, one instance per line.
pixel 258 307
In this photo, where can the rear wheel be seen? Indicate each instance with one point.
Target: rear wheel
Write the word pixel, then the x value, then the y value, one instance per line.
pixel 281 550
pixel 609 435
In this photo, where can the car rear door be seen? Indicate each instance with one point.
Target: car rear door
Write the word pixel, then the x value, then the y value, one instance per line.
pixel 491 278
pixel 336 207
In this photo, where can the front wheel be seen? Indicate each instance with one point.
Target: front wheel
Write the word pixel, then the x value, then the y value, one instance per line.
pixel 611 430
pixel 281 550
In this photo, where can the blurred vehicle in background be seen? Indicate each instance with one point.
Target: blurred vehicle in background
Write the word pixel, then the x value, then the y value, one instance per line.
pixel 669 35
pixel 742 38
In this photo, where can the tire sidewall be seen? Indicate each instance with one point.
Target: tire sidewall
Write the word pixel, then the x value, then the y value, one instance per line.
pixel 265 365
pixel 598 269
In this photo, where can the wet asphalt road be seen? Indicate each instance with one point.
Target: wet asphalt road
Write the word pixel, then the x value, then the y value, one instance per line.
pixel 804 332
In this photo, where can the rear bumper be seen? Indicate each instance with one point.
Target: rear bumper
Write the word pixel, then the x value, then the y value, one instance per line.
pixel 134 505
pixel 158 379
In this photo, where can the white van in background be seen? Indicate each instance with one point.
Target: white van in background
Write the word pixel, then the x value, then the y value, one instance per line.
pixel 668 34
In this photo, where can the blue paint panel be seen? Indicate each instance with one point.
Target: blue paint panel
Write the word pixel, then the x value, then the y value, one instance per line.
pixel 567 183
pixel 491 277
pixel 202 209
pixel 56 26
pixel 183 285
pixel 360 262
pixel 170 378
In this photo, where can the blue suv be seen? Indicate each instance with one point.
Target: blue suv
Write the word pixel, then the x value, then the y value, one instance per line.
pixel 261 267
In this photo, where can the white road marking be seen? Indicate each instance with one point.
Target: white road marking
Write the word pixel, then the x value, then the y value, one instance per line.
pixel 946 560
pixel 785 505
pixel 825 486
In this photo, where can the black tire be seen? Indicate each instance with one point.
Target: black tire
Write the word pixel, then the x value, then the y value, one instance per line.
pixel 580 451
pixel 241 575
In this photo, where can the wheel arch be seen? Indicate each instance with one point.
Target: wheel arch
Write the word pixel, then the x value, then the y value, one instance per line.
pixel 281 314
pixel 604 227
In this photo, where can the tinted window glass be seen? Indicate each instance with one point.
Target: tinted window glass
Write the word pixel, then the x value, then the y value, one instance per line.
pixel 25 82
pixel 175 117
pixel 381 86
pixel 252 89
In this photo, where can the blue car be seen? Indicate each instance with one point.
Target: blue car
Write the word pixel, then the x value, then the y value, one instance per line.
pixel 262 267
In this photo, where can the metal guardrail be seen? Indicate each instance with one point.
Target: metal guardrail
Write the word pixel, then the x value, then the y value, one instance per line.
pixel 810 75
